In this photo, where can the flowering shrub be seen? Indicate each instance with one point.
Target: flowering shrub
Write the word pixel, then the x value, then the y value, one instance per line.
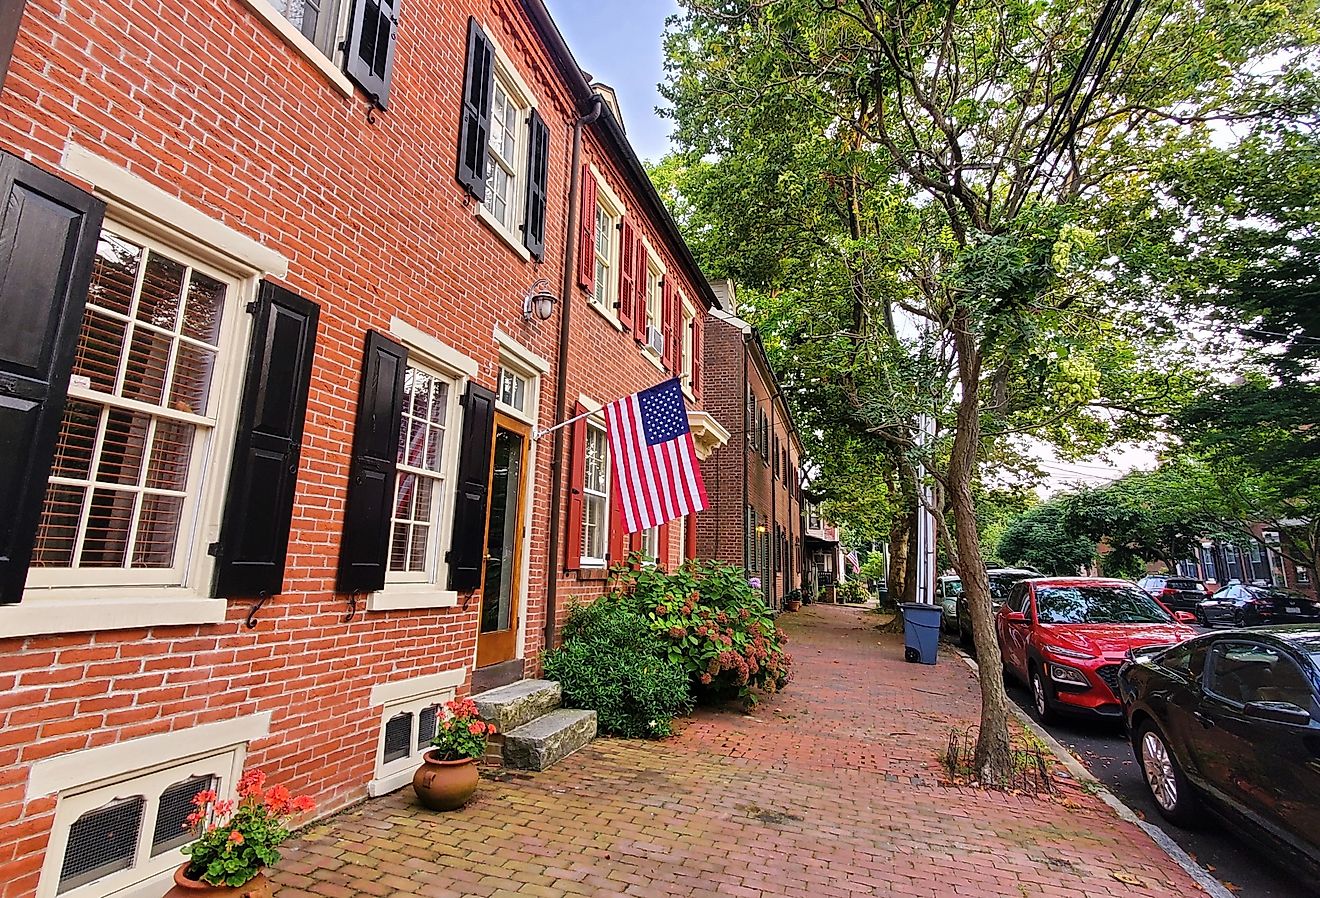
pixel 713 622
pixel 611 663
pixel 235 839
pixel 462 734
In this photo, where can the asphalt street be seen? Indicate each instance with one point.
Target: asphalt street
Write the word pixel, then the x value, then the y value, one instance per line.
pixel 1104 749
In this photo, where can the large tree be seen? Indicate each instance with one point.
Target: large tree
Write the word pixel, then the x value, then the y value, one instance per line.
pixel 935 200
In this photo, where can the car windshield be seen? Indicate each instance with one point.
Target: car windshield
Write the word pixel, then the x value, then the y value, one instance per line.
pixel 1002 584
pixel 1097 604
pixel 953 587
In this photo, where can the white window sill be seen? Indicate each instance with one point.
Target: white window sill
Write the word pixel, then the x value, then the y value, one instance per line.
pixel 649 354
pixel 43 615
pixel 404 597
pixel 592 565
pixel 606 314
pixel 687 391
pixel 480 211
pixel 301 45
pixel 394 782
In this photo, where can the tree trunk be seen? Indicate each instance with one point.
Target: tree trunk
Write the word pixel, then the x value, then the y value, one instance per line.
pixel 913 565
pixel 899 537
pixel 994 759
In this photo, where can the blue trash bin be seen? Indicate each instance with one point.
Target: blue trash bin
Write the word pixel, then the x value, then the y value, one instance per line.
pixel 921 631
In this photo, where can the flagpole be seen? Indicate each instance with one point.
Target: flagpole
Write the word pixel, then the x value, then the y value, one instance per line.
pixel 537 432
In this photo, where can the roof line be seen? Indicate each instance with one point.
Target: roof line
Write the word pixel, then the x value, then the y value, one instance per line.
pixel 616 142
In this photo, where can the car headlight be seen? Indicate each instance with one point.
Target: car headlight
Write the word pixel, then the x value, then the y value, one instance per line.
pixel 1062 673
pixel 1066 653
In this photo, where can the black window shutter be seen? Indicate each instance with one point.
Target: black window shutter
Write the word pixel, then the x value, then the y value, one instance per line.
pixel 48 236
pixel 366 541
pixel 474 132
pixel 467 547
pixel 11 14
pixel 538 167
pixel 254 532
pixel 369 50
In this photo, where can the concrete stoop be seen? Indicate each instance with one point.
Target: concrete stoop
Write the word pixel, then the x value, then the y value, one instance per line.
pixel 535 732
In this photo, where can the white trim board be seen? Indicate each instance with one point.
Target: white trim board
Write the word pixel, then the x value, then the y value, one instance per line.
pixel 136 193
pixel 89 766
pixel 398 691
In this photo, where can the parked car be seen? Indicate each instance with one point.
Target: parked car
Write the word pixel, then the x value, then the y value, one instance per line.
pixel 1065 638
pixel 1231 721
pixel 1246 606
pixel 1175 592
pixel 947 591
pixel 1001 581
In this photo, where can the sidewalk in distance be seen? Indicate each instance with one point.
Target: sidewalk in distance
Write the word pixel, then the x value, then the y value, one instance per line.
pixel 833 788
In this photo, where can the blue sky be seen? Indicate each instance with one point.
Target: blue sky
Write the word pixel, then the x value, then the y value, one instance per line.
pixel 619 43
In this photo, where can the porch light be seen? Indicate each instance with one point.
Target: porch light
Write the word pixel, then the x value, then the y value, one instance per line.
pixel 539 303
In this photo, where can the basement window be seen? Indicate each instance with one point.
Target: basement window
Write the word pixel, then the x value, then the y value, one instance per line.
pixel 406 732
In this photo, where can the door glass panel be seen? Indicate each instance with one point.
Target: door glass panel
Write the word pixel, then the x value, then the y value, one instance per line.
pixel 501 534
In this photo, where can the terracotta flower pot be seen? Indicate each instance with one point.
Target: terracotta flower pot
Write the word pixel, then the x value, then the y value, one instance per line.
pixel 256 887
pixel 445 785
pixel 793 605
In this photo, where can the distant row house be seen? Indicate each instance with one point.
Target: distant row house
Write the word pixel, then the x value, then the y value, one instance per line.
pixel 1260 561
pixel 290 292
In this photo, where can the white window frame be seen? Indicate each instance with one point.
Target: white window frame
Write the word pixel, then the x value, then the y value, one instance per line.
pixel 596 423
pixel 88 779
pixel 608 202
pixel 650 546
pixel 409 591
pixel 407 696
pixel 1303 575
pixel 505 75
pixel 443 482
pixel 142 212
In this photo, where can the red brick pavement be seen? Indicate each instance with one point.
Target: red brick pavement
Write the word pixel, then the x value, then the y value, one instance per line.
pixel 833 788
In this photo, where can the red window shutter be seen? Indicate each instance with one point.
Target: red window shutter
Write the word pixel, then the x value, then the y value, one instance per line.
pixel 667 304
pixel 634 544
pixel 690 538
pixel 587 233
pixel 627 274
pixel 662 546
pixel 697 359
pixel 577 475
pixel 617 552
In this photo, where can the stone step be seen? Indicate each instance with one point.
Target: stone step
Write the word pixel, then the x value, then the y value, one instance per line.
pixel 549 738
pixel 511 706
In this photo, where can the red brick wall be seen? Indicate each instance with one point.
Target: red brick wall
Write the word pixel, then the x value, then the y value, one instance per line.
pixel 206 102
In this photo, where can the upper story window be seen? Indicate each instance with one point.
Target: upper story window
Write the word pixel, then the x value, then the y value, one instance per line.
pixel 132 455
pixel 685 363
pixel 316 20
pixel 505 156
pixel 421 480
pixel 595 497
pixel 655 300
pixel 606 225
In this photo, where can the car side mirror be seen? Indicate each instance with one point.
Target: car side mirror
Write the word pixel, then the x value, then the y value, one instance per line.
pixel 1278 712
pixel 1015 617
pixel 1184 617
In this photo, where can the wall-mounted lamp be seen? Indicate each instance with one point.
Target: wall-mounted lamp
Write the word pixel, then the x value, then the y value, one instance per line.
pixel 539 303
pixel 760 528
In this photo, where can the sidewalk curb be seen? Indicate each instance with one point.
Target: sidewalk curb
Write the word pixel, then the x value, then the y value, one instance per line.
pixel 1079 772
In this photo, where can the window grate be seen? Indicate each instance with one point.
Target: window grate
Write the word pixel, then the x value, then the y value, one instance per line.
pixel 176 803
pixel 426 724
pixel 398 736
pixel 101 842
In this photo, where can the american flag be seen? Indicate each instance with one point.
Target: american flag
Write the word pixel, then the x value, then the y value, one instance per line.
pixel 656 478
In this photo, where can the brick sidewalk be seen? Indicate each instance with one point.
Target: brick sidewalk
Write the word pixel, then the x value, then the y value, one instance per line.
pixel 831 789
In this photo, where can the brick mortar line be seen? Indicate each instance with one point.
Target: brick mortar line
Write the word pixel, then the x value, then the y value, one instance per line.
pixel 1125 813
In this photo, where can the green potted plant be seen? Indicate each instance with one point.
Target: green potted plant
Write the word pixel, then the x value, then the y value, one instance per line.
pixel 793 601
pixel 236 838
pixel 448 775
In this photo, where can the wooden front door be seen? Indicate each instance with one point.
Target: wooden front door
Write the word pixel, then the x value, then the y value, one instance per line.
pixel 497 635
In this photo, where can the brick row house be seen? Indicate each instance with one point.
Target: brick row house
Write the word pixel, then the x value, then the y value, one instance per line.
pixel 1260 561
pixel 289 289
pixel 755 517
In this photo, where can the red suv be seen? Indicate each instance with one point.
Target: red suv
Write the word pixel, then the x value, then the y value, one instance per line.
pixel 1065 637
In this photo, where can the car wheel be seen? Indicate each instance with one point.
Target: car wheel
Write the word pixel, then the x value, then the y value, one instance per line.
pixel 965 637
pixel 1173 795
pixel 1239 618
pixel 1201 618
pixel 1040 696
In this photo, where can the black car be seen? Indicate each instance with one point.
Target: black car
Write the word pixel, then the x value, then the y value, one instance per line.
pixel 1174 592
pixel 1247 606
pixel 1231 721
pixel 1001 581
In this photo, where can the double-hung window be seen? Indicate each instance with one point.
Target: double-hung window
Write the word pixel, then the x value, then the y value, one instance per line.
pixel 651 545
pixel 655 308
pixel 421 481
pixel 685 365
pixel 605 243
pixel 507 147
pixel 316 20
pixel 137 438
pixel 595 497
